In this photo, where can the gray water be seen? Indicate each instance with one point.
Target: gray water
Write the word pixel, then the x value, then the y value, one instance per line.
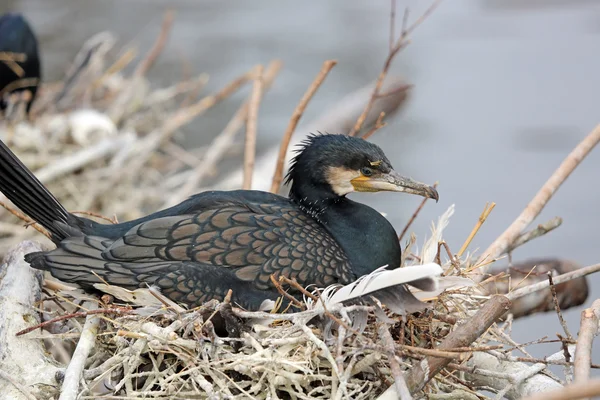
pixel 504 89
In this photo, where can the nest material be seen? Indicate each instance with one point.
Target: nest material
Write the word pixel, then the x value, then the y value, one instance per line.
pixel 101 140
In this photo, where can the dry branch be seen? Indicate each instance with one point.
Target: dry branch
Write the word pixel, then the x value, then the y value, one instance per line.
pixel 399 380
pixel 222 142
pixel 394 49
pixel 466 333
pixel 587 331
pixel 535 206
pixel 252 127
pixel 571 392
pixel 83 157
pixel 519 275
pixel 159 45
pixel 569 276
pixel 74 372
pixel 540 230
pixel 298 111
pixel 514 379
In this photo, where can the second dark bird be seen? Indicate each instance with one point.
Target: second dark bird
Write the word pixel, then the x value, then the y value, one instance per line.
pixel 17 39
pixel 220 240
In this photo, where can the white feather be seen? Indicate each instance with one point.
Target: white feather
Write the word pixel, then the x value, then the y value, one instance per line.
pixel 384 283
pixel 382 278
pixel 431 245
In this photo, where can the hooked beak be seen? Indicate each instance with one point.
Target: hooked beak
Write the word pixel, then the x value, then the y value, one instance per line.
pixel 393 182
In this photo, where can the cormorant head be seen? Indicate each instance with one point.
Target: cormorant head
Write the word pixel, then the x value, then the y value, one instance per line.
pixel 334 165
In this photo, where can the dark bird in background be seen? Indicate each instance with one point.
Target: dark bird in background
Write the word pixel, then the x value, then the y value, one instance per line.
pixel 220 240
pixel 18 40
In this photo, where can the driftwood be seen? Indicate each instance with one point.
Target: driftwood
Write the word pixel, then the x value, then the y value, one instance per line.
pixel 514 379
pixel 25 370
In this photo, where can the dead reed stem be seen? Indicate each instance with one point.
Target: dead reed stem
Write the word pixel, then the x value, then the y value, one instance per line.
pixel 484 215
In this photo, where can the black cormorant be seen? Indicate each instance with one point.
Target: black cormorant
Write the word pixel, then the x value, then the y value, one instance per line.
pixel 220 240
pixel 18 40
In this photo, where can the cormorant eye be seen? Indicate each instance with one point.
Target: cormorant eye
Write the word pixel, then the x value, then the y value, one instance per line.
pixel 366 171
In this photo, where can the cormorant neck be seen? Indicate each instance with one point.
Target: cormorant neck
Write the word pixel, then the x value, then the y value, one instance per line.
pixel 315 197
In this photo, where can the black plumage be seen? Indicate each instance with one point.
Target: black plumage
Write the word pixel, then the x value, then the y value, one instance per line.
pixel 18 39
pixel 215 241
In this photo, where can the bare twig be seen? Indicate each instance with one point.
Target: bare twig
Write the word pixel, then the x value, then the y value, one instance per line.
pixel 393 24
pixel 73 373
pixel 112 220
pixel 159 45
pixel 179 118
pixel 83 157
pixel 583 352
pixel 563 323
pixel 115 311
pixel 285 294
pixel 223 141
pixel 394 49
pixel 251 128
pixel 414 216
pixel 378 125
pixel 10 56
pixel 27 220
pixel 507 278
pixel 298 111
pixel 535 206
pixel 399 381
pixel 540 230
pixel 11 60
pixel 515 294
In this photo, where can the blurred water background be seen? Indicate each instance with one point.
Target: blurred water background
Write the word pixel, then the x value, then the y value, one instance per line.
pixel 504 89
